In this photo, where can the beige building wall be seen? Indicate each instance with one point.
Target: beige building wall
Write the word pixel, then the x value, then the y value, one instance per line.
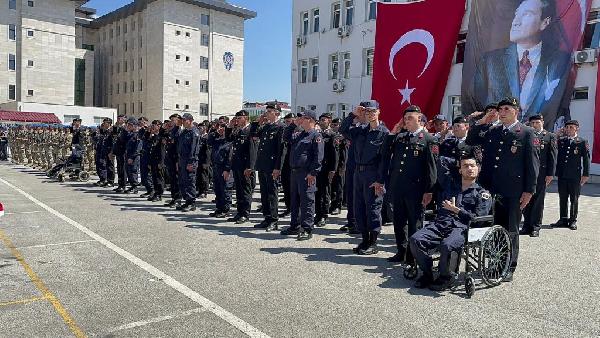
pixel 7 77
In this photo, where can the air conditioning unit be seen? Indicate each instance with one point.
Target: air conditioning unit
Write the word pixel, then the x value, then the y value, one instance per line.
pixel 339 86
pixel 344 31
pixel 301 40
pixel 585 56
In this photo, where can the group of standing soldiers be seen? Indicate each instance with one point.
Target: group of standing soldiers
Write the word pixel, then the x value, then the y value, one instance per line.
pixel 43 146
pixel 322 163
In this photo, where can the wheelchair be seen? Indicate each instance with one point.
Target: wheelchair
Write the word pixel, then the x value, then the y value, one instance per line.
pixel 486 255
pixel 71 168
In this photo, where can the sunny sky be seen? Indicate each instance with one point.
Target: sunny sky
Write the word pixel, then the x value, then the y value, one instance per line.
pixel 268 51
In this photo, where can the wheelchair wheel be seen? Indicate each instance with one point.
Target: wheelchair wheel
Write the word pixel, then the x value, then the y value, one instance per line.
pixel 83 176
pixel 61 178
pixel 410 272
pixel 494 255
pixel 470 287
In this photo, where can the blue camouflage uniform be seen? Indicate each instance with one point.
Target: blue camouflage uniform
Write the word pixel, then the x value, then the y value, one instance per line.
pixel 306 156
pixel 187 150
pixel 220 149
pixel 133 151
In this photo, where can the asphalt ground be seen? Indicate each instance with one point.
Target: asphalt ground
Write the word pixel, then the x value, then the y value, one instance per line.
pixel 76 260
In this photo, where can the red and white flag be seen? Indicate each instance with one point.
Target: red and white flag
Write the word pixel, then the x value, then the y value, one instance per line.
pixel 414 48
pixel 1 210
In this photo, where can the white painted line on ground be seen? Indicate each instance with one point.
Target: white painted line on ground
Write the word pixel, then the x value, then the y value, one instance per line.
pixel 55 244
pixel 23 213
pixel 220 312
pixel 156 320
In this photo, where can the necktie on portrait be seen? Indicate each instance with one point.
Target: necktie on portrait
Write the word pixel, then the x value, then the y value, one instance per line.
pixel 524 67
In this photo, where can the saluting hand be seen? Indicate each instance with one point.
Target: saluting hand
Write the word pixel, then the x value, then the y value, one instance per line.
pixel 525 198
pixel 310 180
pixel 379 188
pixel 398 127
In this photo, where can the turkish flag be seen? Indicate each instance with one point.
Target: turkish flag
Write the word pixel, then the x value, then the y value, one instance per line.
pixel 414 48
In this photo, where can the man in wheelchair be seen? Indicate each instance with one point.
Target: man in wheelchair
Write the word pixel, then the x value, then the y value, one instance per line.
pixel 72 161
pixel 461 200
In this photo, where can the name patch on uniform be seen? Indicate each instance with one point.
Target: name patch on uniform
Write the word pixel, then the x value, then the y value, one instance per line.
pixel 486 195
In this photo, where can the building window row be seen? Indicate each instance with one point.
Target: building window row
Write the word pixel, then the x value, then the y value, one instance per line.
pixel 204 86
pixel 117 30
pixel 203 62
pixel 203 109
pixel 339 66
pixel 178 33
pixel 342 13
pixel 187 82
pixel 12 32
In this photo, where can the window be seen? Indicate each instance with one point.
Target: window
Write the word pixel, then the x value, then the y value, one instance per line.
pixel 141 85
pixel 203 62
pixel 187 106
pixel 12 32
pixel 132 108
pixel 205 19
pixel 111 89
pixel 125 87
pixel 125 45
pixel 314 70
pixel 112 50
pixel 30 3
pixel 124 66
pixel 316 20
pixel 70 118
pixel 29 92
pixel 459 56
pixel 133 86
pixel 118 30
pixel 336 15
pixel 30 63
pixel 455 106
pixel 580 93
pixel 187 58
pixel 124 108
pixel 177 106
pixel 141 108
pixel 203 109
pixel 343 109
pixel 331 108
pixel 118 67
pixel 177 33
pixel 349 12
pixel 176 81
pixel 303 74
pixel 29 33
pixel 368 63
pixel 187 83
pixel 591 35
pixel 124 28
pixel 346 60
pixel 203 86
pixel 187 34
pixel 177 57
pixel 133 25
pixel 111 33
pixel 112 69
pixel 334 66
pixel 12 63
pixel 140 63
pixel 87 47
pixel 12 4
pixel 141 43
pixel 372 10
pixel 205 40
pixel 98 120
pixel 305 23
pixel 12 92
pixel 118 87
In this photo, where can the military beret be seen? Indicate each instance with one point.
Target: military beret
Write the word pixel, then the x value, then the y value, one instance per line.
pixel 290 116
pixel 308 113
pixel 241 113
pixel 132 120
pixel 336 120
pixel 326 115
pixel 175 115
pixel 460 119
pixel 509 101
pixel 188 116
pixel 491 105
pixel 440 117
pixel 108 120
pixel 121 116
pixel 536 118
pixel 572 122
pixel 412 109
pixel 371 104
pixel 157 122
pixel 77 120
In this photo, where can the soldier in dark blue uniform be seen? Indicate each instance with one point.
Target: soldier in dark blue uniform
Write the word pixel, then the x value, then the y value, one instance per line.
pixel 306 155
pixel 103 149
pixel 187 152
pixel 337 184
pixel 286 173
pixel 145 174
pixel 410 167
pixel 510 167
pixel 268 134
pixel 202 174
pixel 454 146
pixel 573 171
pixel 220 150
pixel 133 152
pixel 243 157
pixel 156 149
pixel 545 144
pixel 76 131
pixel 120 136
pixel 463 199
pixel 369 175
pixel 350 226
pixel 172 158
pixel 328 169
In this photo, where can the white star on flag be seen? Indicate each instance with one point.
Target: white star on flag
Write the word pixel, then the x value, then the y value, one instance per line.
pixel 406 92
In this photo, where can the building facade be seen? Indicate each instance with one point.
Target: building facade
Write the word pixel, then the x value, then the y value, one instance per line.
pixel 332 60
pixel 39 59
pixel 159 57
pixel 255 109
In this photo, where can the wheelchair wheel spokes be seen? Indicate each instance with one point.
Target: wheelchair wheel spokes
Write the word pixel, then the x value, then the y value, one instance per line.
pixel 494 255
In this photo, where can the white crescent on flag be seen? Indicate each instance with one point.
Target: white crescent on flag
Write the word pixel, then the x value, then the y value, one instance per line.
pixel 419 36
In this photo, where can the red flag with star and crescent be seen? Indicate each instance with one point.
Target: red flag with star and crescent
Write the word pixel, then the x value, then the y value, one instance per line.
pixel 415 44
